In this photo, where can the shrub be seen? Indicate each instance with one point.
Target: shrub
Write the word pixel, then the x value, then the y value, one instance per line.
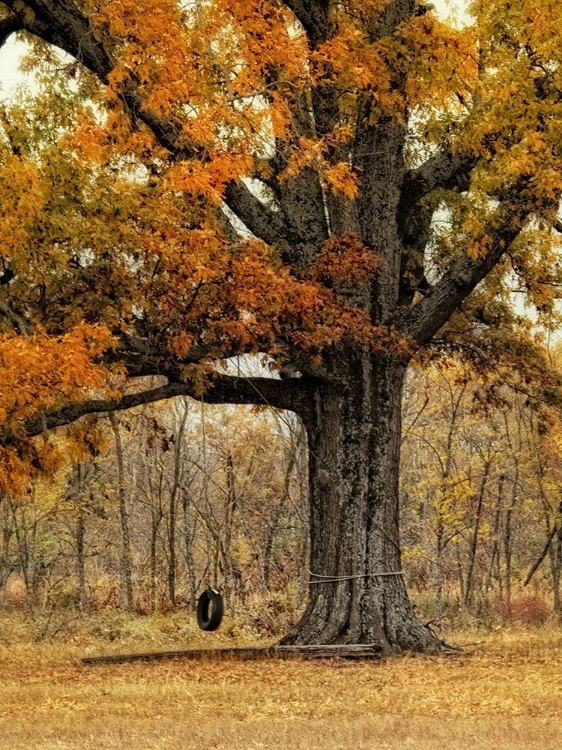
pixel 528 609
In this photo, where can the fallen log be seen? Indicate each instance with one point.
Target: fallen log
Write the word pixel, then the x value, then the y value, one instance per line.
pixel 321 651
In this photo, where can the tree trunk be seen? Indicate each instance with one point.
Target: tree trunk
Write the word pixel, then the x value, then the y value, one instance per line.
pixel 77 490
pixel 556 561
pixel 495 553
pixel 189 524
pixel 357 591
pixel 276 517
pixel 174 489
pixel 126 564
pixel 26 538
pixel 473 547
pixel 230 568
pixel 6 565
pixel 155 519
pixel 81 560
pixel 508 552
pixel 172 550
pixel 556 572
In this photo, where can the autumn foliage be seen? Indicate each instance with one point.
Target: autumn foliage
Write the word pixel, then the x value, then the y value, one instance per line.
pixel 116 175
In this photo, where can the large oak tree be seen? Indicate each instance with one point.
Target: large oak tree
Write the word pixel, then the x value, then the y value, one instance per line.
pixel 322 182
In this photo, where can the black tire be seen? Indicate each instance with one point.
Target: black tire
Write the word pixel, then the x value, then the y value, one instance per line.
pixel 209 610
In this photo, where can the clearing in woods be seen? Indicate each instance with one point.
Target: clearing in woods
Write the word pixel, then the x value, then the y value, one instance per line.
pixel 507 694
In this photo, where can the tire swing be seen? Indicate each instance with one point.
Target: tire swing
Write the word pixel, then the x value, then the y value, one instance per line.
pixel 209 610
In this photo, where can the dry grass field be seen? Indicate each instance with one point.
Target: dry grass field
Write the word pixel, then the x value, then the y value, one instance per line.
pixel 507 693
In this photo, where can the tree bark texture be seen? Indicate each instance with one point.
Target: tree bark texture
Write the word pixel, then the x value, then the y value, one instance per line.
pixel 357 588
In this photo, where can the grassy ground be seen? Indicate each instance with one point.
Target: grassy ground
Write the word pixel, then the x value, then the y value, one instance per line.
pixel 507 694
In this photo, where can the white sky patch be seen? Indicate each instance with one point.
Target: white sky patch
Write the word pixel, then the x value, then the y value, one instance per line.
pixel 10 59
pixel 454 10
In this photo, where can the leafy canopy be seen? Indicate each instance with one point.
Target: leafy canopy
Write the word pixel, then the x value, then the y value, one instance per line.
pixel 220 177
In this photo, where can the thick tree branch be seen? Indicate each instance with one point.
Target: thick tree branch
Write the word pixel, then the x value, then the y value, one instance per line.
pixel 300 196
pixel 224 389
pixel 297 229
pixel 260 220
pixel 415 212
pixel 444 170
pixel 8 26
pixel 385 22
pixel 395 13
pixel 302 203
pixel 61 23
pixel 378 158
pixel 16 320
pixel 422 321
pixel 314 17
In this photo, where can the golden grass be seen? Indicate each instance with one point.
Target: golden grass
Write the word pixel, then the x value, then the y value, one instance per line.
pixel 508 694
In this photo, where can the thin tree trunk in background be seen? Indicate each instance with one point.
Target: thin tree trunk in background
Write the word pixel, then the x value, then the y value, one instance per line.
pixel 26 555
pixel 126 565
pixel 81 560
pixel 495 553
pixel 230 567
pixel 456 399
pixel 555 550
pixel 155 519
pixel 6 566
pixel 304 546
pixel 189 538
pixel 508 554
pixel 557 604
pixel 172 550
pixel 460 574
pixel 469 591
pixel 541 557
pixel 156 516
pixel 439 570
pixel 174 489
pixel 515 451
pixel 551 546
pixel 216 561
pixel 80 536
pixel 278 510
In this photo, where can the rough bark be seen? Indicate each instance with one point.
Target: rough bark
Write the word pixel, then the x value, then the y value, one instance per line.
pixel 357 588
